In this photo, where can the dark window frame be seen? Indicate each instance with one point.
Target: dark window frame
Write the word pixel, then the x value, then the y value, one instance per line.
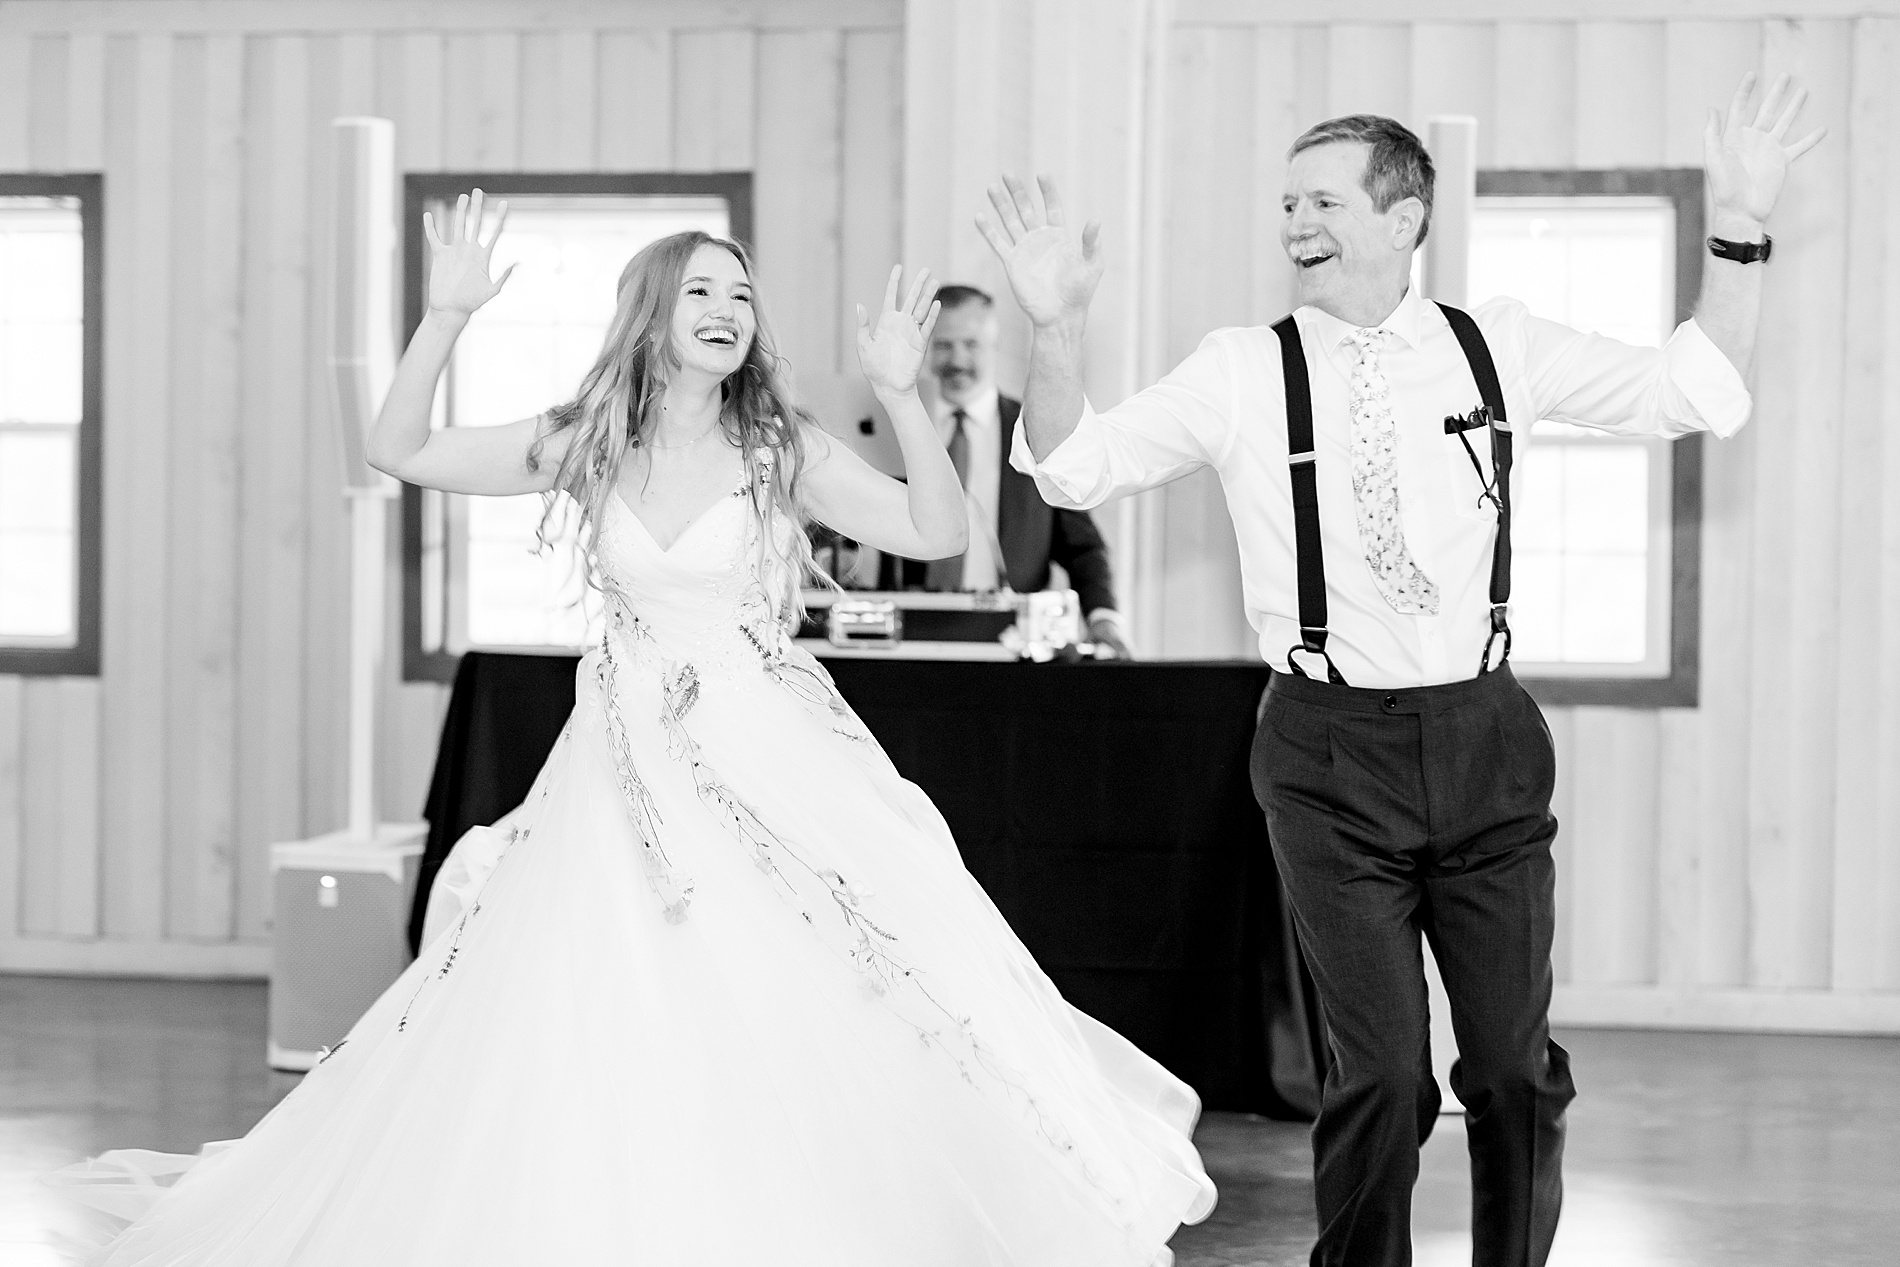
pixel 420 188
pixel 82 658
pixel 1682 687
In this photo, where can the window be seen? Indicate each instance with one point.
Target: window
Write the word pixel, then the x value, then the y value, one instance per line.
pixel 49 423
pixel 477 577
pixel 1606 531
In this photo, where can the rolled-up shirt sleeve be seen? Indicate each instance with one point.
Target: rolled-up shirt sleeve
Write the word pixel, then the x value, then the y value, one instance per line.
pixel 1593 381
pixel 1182 423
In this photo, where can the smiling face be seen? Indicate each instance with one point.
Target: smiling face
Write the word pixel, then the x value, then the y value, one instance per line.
pixel 963 352
pixel 713 321
pixel 1349 258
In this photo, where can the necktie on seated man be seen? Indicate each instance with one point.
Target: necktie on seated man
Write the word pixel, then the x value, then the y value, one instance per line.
pixel 1375 485
pixel 947 574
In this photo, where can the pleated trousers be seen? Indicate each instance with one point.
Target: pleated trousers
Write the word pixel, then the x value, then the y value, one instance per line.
pixel 1396 815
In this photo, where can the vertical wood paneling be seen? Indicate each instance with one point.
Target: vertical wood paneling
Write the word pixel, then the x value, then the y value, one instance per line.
pixel 325 607
pixel 1878 42
pixel 1213 76
pixel 1754 840
pixel 349 91
pixel 355 73
pixel 1312 63
pixel 1369 70
pixel 798 189
pixel 714 78
pixel 271 548
pixel 85 102
pixel 1676 907
pixel 1706 831
pixel 40 810
pixel 1871 333
pixel 16 84
pixel 45 122
pixel 872 197
pixel 183 835
pixel 1616 863
pixel 1619 78
pixel 77 789
pixel 12 774
pixel 419 131
pixel 557 100
pixel 1612 847
pixel 1797 598
pixel 207 317
pixel 1536 95
pixel 482 86
pixel 1444 56
pixel 635 106
pixel 138 385
pixel 1702 63
pixel 541 121
pixel 1277 122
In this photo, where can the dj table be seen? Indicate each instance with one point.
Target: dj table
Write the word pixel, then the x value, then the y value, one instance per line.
pixel 1104 806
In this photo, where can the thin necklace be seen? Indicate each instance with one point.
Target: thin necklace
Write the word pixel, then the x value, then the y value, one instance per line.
pixel 686 444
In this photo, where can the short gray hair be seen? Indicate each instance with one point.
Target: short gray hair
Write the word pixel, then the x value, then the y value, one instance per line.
pixel 1397 164
pixel 958 295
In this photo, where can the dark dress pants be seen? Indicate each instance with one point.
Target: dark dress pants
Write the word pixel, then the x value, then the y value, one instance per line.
pixel 1406 812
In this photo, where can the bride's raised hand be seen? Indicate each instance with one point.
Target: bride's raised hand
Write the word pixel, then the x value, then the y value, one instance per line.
pixel 891 349
pixel 458 268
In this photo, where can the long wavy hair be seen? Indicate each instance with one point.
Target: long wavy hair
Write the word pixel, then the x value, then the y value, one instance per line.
pixel 618 406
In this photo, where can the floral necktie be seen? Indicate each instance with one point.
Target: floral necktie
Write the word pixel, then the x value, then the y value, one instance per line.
pixel 1375 485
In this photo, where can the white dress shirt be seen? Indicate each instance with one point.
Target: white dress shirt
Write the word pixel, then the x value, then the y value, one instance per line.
pixel 982 485
pixel 1225 407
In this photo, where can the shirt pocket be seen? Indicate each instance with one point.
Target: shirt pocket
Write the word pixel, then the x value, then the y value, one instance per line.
pixel 1468 483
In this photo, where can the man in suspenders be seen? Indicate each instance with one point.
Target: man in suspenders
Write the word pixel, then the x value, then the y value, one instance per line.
pixel 1364 444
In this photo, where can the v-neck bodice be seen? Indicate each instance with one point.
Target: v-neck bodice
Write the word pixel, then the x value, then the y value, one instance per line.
pixel 701 599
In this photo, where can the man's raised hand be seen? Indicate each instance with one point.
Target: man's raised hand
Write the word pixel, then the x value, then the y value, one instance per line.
pixel 458 268
pixel 1053 270
pixel 1747 162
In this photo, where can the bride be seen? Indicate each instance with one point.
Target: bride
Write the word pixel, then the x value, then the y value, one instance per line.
pixel 726 994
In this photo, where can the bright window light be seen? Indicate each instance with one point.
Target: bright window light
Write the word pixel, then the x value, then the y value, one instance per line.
pixel 1591 529
pixel 41 388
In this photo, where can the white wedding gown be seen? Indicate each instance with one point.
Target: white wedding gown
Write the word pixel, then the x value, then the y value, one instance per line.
pixel 725 997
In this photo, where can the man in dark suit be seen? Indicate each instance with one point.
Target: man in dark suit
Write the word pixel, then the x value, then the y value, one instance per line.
pixel 1007 514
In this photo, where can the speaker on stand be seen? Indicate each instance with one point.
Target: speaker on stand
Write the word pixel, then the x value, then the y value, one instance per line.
pixel 341 900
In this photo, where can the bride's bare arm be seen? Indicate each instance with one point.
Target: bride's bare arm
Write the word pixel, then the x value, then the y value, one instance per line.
pixel 921 519
pixel 491 460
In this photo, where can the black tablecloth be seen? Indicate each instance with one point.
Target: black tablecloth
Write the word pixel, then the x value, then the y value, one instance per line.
pixel 1105 808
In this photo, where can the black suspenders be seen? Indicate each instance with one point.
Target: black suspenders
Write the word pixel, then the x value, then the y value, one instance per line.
pixel 1311 567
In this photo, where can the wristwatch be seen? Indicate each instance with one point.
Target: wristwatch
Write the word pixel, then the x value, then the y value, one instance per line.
pixel 1741 252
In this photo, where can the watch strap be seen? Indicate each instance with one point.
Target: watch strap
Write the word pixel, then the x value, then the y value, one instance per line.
pixel 1741 252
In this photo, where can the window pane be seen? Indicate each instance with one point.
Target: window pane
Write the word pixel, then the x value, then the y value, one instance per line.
pixel 41 391
pixel 524 352
pixel 37 561
pixel 1581 527
pixel 1602 265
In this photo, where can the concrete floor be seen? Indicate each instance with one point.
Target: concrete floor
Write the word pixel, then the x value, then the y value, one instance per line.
pixel 1685 1149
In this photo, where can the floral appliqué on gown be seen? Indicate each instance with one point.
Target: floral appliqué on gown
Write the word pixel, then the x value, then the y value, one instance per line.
pixel 723 995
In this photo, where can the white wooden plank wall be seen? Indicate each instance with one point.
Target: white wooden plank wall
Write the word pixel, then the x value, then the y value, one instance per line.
pixel 136 808
pixel 1738 863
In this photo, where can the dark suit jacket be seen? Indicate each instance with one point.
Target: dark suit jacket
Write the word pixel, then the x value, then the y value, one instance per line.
pixel 1033 535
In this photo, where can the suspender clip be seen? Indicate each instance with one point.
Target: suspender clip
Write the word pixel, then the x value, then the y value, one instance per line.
pixel 1499 625
pixel 1295 459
